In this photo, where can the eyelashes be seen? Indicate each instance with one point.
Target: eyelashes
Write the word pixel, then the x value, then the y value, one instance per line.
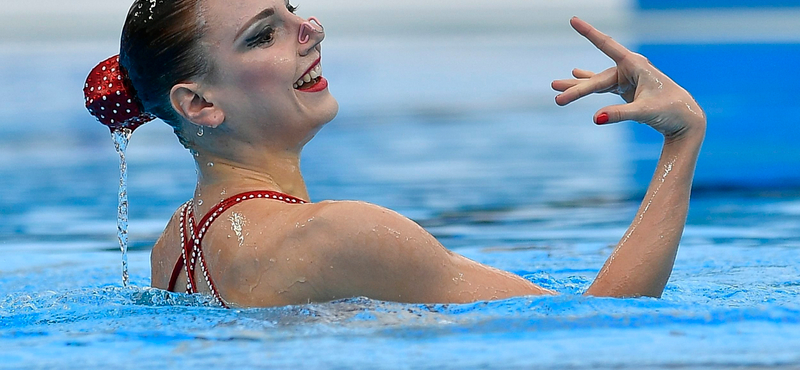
pixel 267 34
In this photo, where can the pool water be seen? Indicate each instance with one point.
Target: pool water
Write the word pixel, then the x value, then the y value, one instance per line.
pixel 490 166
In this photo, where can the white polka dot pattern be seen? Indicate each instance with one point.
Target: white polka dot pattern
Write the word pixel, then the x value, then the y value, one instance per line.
pixel 111 99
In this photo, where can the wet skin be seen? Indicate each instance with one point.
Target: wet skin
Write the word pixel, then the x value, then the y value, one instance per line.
pixel 268 253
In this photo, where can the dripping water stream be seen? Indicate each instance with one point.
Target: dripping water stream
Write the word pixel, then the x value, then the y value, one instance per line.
pixel 121 138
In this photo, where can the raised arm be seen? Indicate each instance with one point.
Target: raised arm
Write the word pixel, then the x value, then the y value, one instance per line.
pixel 642 262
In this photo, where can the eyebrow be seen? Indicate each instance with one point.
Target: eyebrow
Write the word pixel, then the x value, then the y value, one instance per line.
pixel 266 13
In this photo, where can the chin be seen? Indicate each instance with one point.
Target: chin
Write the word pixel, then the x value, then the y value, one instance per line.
pixel 327 111
pixel 331 108
pixel 333 111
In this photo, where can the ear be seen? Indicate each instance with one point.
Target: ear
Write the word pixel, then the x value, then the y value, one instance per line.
pixel 188 100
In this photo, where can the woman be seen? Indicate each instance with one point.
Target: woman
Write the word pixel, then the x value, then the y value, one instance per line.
pixel 241 84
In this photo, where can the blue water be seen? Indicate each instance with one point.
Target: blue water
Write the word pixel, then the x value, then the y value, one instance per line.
pixel 496 172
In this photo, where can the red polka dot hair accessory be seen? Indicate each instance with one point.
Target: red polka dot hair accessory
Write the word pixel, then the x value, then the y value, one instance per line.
pixel 111 98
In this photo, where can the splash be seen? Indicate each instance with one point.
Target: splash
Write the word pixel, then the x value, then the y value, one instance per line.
pixel 121 138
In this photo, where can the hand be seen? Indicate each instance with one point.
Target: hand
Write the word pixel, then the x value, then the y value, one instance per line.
pixel 652 97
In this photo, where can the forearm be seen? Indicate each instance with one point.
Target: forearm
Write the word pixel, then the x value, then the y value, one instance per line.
pixel 641 263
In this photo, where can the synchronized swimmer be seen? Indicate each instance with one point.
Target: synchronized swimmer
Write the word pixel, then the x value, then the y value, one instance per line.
pixel 241 83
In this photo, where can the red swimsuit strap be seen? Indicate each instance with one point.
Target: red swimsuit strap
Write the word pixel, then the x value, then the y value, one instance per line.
pixel 192 237
pixel 185 252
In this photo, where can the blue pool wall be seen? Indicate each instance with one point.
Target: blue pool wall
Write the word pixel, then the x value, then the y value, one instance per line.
pixel 751 100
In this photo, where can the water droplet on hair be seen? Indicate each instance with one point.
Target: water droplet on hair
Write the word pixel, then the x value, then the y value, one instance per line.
pixel 200 132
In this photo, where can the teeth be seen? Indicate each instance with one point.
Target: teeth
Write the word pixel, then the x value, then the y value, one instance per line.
pixel 311 75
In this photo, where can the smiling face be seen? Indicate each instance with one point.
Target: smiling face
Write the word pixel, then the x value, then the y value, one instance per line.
pixel 260 52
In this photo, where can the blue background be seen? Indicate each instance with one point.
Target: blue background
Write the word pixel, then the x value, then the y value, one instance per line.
pixel 749 93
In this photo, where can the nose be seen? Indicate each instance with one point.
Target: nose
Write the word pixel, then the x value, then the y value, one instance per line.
pixel 311 34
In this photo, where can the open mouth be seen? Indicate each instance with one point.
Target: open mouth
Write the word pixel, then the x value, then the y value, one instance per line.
pixel 311 79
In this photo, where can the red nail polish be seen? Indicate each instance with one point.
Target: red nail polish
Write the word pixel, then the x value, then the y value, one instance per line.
pixel 602 118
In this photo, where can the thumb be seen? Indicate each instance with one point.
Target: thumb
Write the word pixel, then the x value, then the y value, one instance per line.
pixel 618 113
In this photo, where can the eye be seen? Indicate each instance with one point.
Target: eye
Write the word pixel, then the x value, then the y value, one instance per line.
pixel 264 37
pixel 292 9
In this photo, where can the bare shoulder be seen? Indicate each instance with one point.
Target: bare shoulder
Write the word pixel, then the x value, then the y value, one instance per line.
pixel 165 253
pixel 353 227
pixel 367 250
pixel 359 217
pixel 295 253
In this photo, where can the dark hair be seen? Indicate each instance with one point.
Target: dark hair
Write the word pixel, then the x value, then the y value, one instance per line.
pixel 160 47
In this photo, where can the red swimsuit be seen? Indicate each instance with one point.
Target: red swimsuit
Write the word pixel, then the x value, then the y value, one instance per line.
pixel 192 238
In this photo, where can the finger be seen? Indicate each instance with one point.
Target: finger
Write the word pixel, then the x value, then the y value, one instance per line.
pixel 605 43
pixel 579 74
pixel 618 113
pixel 598 83
pixel 582 73
pixel 563 85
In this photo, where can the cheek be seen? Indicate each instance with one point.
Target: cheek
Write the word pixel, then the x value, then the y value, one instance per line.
pixel 271 75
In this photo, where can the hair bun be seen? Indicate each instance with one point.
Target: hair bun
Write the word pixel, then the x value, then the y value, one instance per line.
pixel 111 98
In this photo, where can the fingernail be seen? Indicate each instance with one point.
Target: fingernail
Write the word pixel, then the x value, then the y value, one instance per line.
pixel 602 119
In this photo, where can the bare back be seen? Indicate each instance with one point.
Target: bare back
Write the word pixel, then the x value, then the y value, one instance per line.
pixel 267 253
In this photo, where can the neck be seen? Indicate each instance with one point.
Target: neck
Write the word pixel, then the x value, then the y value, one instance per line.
pixel 219 178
